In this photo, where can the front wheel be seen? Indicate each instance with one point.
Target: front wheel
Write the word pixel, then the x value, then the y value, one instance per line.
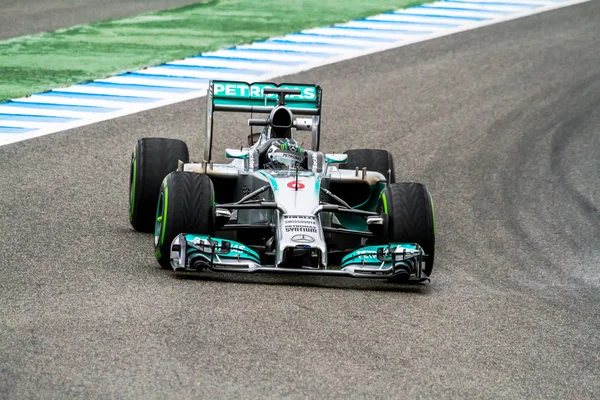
pixel 411 217
pixel 185 205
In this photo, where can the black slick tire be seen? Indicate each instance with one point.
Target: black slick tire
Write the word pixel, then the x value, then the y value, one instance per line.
pixel 376 160
pixel 411 217
pixel 152 159
pixel 185 205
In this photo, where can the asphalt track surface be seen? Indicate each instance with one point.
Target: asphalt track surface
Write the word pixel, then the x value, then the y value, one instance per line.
pixel 25 17
pixel 502 124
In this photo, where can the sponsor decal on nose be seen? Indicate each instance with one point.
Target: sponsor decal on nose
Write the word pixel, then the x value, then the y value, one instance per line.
pixel 292 185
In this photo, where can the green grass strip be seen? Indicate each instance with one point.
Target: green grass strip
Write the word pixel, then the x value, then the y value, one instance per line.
pixel 31 64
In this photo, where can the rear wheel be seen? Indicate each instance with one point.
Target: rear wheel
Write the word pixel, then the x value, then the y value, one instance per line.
pixel 411 217
pixel 185 205
pixel 380 161
pixel 152 159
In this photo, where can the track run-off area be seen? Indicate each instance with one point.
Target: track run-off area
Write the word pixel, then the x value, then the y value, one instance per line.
pixel 105 44
pixel 502 125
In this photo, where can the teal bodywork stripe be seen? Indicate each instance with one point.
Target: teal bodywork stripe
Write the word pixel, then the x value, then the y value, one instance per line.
pixel 318 185
pixel 272 180
pixel 374 193
pixel 358 223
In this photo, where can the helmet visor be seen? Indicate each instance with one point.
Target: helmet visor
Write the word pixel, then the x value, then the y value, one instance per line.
pixel 286 159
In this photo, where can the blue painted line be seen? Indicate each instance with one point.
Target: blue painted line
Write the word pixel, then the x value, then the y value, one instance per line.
pixel 108 97
pixel 165 77
pixel 324 44
pixel 211 69
pixel 475 10
pixel 51 106
pixel 14 129
pixel 394 31
pixel 440 16
pixel 340 36
pixel 137 86
pixel 243 59
pixel 432 24
pixel 35 118
pixel 271 51
pixel 483 3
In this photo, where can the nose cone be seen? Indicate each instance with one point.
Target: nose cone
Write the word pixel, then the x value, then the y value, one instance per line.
pixel 299 196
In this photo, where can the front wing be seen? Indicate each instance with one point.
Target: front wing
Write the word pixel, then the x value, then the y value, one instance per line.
pixel 192 253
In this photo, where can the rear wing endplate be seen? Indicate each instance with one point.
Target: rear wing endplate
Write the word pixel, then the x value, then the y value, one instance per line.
pixel 235 96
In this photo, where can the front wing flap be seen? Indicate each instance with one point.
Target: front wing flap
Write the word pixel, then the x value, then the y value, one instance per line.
pixel 190 252
pixel 393 260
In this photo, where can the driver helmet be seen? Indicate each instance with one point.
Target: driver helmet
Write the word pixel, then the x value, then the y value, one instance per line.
pixel 284 153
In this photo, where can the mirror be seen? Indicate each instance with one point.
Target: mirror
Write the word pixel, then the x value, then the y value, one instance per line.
pixel 336 158
pixel 235 153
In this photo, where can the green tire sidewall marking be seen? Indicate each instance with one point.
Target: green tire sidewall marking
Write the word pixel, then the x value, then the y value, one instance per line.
pixel 385 206
pixel 432 214
pixel 158 219
pixel 165 209
pixel 133 183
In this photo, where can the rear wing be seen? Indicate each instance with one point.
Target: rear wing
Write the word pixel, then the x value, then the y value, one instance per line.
pixel 235 96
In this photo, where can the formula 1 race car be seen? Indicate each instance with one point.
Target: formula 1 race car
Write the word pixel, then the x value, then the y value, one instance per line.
pixel 278 207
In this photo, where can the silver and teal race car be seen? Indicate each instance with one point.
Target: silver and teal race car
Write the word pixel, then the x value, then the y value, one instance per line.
pixel 278 207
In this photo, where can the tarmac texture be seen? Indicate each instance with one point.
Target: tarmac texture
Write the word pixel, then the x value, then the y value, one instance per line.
pixel 502 125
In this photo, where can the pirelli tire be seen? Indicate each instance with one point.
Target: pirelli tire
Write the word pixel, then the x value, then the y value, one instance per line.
pixel 411 217
pixel 152 159
pixel 380 161
pixel 185 205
